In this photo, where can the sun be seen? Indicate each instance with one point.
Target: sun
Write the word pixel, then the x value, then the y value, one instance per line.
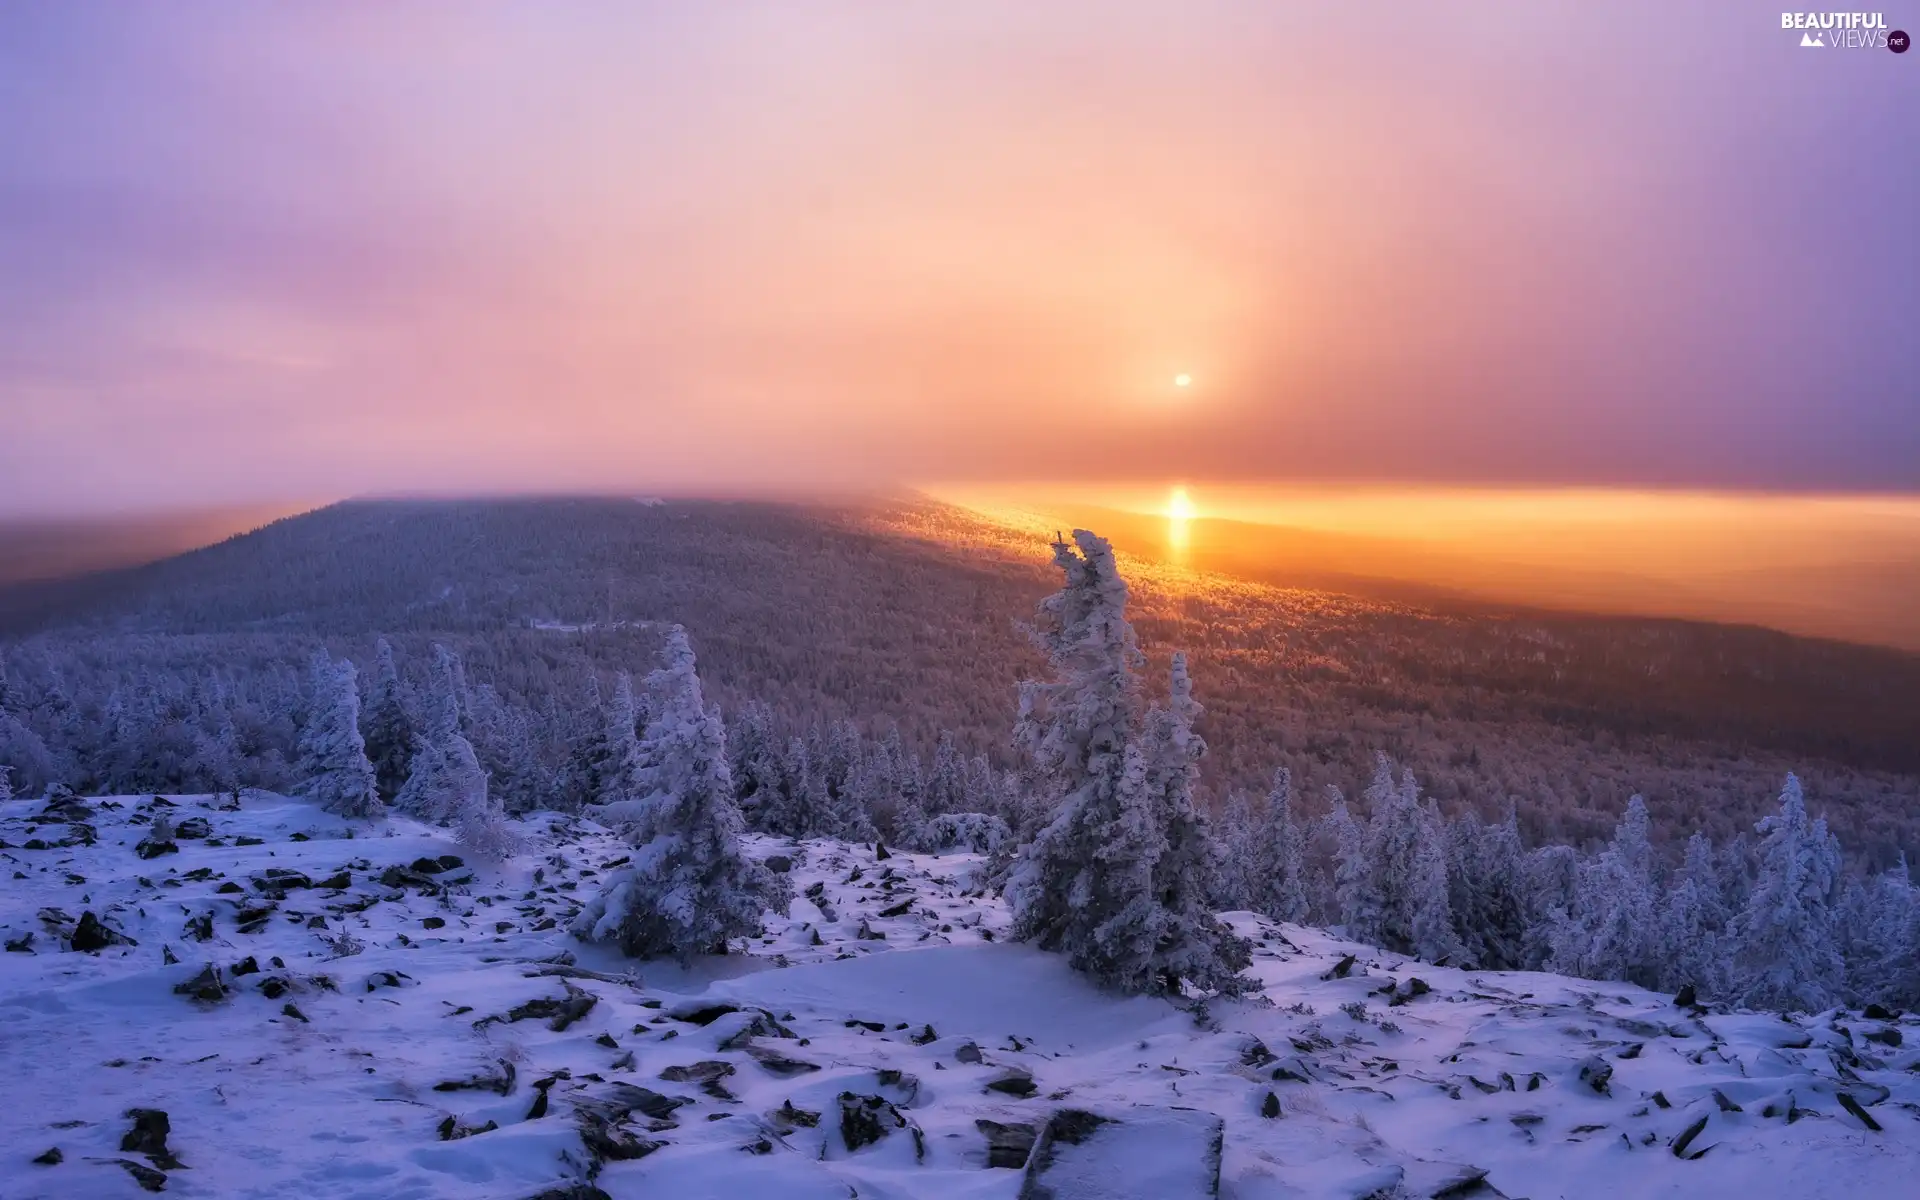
pixel 1182 380
pixel 1180 505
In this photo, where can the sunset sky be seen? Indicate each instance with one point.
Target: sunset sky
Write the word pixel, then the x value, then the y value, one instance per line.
pixel 292 251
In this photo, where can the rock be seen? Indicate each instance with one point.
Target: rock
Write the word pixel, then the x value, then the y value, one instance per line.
pixel 389 979
pixel 229 888
pixel 274 986
pixel 1014 1082
pixel 205 987
pixel 433 922
pixel 702 1014
pixel 149 1137
pixel 788 1118
pixel 899 910
pixel 90 935
pixel 154 849
pixel 779 863
pixel 1140 1153
pixel 925 1035
pixel 193 828
pixel 336 881
pixel 1684 998
pixel 559 1012
pixel 1860 1114
pixel 1875 1012
pixel 864 1120
pixel 1596 1072
pixel 880 852
pixel 1886 1037
pixel 198 928
pixel 499 1080
pixel 52 1158
pixel 426 866
pixel 1341 969
pixel 571 1191
pixel 707 1074
pixel 246 966
pixel 1685 1139
pixel 145 1176
pixel 632 1098
pixel 1270 1107
pixel 969 1053
pixel 1007 1145
pixel 290 1009
pixel 780 1064
pixel 22 944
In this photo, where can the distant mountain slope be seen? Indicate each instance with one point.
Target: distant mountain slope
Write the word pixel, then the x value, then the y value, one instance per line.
pixel 905 611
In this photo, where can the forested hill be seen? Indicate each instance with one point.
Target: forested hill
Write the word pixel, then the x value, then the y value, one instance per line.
pixel 902 612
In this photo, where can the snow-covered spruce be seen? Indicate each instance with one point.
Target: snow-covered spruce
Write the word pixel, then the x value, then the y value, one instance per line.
pixel 386 726
pixel 1114 877
pixel 333 769
pixel 689 887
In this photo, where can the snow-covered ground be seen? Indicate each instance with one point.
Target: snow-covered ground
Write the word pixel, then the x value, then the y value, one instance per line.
pixel 379 1029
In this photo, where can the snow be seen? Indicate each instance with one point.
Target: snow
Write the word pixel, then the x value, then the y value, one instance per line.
pixel 1481 1073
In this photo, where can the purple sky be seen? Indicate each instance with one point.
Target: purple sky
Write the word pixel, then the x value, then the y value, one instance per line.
pixel 265 252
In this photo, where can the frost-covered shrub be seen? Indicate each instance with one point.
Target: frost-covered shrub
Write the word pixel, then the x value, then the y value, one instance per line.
pixel 977 833
pixel 689 887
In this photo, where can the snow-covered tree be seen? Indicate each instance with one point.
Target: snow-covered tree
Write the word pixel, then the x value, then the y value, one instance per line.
pixel 1091 883
pixel 1486 884
pixel 754 758
pixel 6 783
pixel 1785 954
pixel 1693 932
pixel 1279 885
pixel 689 887
pixel 1612 930
pixel 1236 867
pixel 440 785
pixel 622 770
pixel 385 725
pixel 947 781
pixel 1394 883
pixel 333 767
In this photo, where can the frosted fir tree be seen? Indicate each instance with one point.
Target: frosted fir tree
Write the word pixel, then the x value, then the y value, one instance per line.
pixel 797 808
pixel 1611 931
pixel 437 783
pixel 848 816
pixel 1193 945
pixel 1114 787
pixel 1875 923
pixel 6 783
pixel 583 776
pixel 1353 894
pixel 385 725
pixel 479 819
pixel 690 887
pixel 1237 869
pixel 333 767
pixel 623 768
pixel 1279 886
pixel 946 782
pixel 1693 933
pixel 1430 921
pixel 1785 954
pixel 1486 880
pixel 754 757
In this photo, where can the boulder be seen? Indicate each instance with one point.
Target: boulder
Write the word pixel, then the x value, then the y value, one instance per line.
pixel 91 935
pixel 1007 1145
pixel 1139 1153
